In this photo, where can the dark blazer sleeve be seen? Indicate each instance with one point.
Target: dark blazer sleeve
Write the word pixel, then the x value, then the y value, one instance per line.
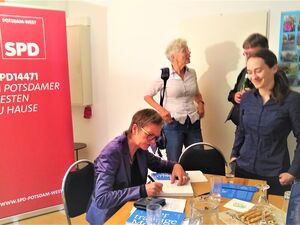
pixel 236 86
pixel 113 181
pixel 239 134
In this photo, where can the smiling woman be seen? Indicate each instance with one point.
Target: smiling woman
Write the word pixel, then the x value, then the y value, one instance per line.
pixel 262 69
pixel 268 114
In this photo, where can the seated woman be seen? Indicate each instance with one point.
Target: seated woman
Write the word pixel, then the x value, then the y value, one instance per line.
pixel 122 166
pixel 268 114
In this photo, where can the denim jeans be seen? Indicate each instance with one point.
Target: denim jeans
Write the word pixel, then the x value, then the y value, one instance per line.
pixel 293 213
pixel 178 134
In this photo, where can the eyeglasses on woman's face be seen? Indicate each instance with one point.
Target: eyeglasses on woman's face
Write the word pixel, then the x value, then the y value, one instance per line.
pixel 150 137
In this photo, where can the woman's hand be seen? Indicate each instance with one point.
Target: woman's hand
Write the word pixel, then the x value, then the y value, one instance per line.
pixel 200 109
pixel 179 173
pixel 165 115
pixel 153 188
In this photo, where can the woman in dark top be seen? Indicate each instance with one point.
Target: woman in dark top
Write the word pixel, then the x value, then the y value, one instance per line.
pixel 268 114
pixel 252 44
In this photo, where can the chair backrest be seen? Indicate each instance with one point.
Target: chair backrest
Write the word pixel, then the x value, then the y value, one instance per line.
pixel 205 157
pixel 293 213
pixel 77 188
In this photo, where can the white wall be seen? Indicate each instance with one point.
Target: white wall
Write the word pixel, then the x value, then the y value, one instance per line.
pixel 128 43
pixel 128 40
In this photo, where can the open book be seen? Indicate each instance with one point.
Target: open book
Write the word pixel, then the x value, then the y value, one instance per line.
pixel 175 190
pixel 194 175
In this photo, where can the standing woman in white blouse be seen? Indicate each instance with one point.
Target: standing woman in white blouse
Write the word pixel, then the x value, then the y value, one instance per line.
pixel 183 104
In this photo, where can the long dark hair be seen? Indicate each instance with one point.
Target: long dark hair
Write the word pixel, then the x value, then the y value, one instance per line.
pixel 281 87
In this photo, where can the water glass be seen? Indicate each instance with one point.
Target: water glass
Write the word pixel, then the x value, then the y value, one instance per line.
pixel 203 211
pixel 153 214
pixel 216 188
pixel 286 199
pixel 231 172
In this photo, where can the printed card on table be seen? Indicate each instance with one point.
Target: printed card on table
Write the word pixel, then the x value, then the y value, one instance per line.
pixel 238 205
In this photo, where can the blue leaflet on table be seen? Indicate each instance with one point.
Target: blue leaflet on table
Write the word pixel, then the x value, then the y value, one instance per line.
pixel 168 217
pixel 241 192
pixel 161 176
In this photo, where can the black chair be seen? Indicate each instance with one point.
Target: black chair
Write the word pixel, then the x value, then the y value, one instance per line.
pixel 77 188
pixel 293 212
pixel 205 157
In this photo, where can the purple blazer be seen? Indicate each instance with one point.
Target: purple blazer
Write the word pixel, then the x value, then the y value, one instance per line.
pixel 113 178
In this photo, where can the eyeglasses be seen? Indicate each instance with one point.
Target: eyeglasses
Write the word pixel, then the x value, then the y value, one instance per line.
pixel 150 137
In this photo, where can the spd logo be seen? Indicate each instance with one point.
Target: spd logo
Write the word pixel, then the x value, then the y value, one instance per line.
pixel 22 37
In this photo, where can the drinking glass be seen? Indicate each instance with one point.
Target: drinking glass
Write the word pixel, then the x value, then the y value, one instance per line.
pixel 231 170
pixel 203 211
pixel 153 214
pixel 216 188
pixel 262 202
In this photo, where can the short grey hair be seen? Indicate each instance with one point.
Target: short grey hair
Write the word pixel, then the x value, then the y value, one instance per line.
pixel 175 46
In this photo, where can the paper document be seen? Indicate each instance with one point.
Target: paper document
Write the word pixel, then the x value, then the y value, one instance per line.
pixel 174 204
pixel 196 176
pixel 238 205
pixel 175 190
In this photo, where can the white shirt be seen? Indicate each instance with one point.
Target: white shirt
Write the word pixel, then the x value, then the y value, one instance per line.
pixel 179 95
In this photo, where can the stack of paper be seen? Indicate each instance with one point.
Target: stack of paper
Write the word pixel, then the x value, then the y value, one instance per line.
pixel 169 189
pixel 174 204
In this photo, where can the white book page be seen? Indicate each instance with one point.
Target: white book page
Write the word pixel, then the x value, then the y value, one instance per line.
pixel 196 176
pixel 169 189
pixel 174 204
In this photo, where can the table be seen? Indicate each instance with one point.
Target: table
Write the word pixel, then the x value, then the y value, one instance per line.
pixel 123 213
pixel 78 146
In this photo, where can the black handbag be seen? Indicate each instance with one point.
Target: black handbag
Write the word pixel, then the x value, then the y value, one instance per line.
pixel 162 141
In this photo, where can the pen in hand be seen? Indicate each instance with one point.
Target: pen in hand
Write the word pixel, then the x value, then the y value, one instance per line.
pixel 153 187
pixel 151 178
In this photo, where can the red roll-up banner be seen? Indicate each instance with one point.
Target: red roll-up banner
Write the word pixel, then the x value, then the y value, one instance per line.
pixel 36 140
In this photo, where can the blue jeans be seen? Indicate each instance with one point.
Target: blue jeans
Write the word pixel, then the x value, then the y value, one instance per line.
pixel 178 134
pixel 293 212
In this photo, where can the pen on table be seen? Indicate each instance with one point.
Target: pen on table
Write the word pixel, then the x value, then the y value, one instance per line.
pixel 206 193
pixel 151 178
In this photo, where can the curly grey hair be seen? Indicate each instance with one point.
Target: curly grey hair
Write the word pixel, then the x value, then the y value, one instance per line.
pixel 175 46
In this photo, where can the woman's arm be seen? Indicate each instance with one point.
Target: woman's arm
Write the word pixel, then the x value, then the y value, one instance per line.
pixel 165 114
pixel 200 104
pixel 110 191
